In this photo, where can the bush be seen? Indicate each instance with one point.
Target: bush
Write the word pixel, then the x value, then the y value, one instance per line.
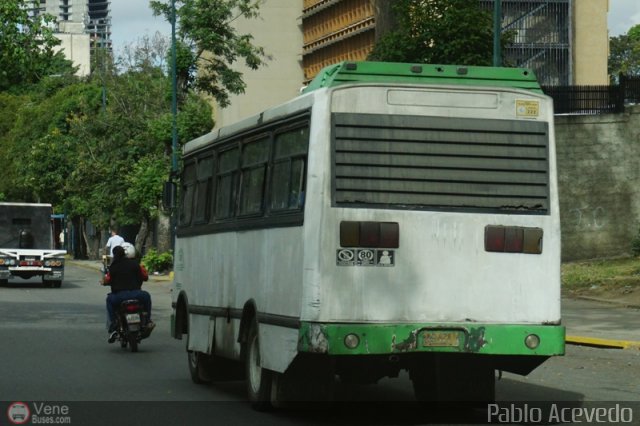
pixel 157 262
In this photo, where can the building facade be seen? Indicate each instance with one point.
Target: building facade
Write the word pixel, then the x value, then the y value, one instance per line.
pixel 82 26
pixel 563 41
pixel 281 78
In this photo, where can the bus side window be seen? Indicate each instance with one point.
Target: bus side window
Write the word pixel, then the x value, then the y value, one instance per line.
pixel 254 166
pixel 188 190
pixel 203 191
pixel 289 169
pixel 226 185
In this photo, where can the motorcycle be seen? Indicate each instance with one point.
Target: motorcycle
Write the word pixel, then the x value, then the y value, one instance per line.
pixel 131 324
pixel 131 319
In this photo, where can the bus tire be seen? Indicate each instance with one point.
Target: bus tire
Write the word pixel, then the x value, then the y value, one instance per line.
pixel 198 367
pixel 258 378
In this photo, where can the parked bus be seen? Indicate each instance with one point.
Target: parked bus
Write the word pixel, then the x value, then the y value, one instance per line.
pixel 27 244
pixel 392 217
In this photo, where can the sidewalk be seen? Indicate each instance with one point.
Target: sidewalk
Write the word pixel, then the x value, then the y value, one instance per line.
pixel 588 322
pixel 97 266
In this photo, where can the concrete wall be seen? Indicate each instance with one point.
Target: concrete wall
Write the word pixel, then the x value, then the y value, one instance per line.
pixel 599 180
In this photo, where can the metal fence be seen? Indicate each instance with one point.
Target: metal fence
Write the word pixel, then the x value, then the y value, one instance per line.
pixel 591 100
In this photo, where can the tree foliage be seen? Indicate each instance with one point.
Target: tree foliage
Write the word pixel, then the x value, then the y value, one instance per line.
pixel 438 32
pixel 210 46
pixel 27 45
pixel 624 54
pixel 99 161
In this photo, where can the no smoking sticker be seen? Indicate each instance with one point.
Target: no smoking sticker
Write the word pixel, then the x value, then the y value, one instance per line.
pixel 365 257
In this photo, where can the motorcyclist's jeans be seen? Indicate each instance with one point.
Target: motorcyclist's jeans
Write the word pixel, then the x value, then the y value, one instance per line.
pixel 114 300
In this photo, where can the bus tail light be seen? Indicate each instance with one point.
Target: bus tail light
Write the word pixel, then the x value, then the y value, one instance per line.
pixel 512 239
pixel 370 234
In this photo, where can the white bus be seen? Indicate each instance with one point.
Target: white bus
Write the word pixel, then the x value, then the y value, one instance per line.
pixel 392 217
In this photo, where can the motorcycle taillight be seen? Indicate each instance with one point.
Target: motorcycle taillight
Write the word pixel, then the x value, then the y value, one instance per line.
pixel 132 308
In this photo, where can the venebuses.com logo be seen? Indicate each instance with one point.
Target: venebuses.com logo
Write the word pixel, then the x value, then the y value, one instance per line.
pixel 18 413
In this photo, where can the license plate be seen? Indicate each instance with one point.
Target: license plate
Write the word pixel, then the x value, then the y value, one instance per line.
pixel 133 318
pixel 441 339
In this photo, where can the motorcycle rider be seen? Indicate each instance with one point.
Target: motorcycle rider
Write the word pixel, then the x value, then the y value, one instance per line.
pixel 125 276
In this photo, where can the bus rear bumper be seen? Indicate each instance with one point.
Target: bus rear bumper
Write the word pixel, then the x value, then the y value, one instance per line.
pixel 476 338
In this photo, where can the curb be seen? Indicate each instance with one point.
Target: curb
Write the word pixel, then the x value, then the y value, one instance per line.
pixel 609 302
pixel 602 343
pixel 84 265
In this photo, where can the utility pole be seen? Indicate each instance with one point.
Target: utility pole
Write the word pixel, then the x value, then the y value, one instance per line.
pixel 174 121
pixel 497 29
pixel 174 94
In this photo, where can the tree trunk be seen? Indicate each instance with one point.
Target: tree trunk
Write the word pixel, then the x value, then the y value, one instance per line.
pixel 142 235
pixel 163 233
pixel 79 247
pixel 91 244
pixel 385 21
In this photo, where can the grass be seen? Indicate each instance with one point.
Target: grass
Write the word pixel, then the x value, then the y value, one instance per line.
pixel 619 275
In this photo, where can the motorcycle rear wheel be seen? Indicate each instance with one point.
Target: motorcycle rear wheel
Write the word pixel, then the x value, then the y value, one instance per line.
pixel 133 343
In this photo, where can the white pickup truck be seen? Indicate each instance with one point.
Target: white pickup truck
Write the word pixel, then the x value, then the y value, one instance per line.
pixel 27 247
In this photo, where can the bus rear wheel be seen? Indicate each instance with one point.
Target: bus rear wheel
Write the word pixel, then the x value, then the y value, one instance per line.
pixel 258 378
pixel 198 367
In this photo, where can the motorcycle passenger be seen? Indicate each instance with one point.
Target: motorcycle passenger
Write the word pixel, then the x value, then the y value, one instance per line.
pixel 125 277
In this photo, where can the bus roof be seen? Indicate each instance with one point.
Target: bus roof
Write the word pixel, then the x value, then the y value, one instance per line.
pixel 391 72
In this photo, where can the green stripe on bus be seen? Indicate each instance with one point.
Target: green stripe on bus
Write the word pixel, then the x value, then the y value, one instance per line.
pixel 394 73
pixel 378 339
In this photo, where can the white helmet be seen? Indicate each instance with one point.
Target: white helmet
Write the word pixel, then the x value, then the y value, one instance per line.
pixel 129 250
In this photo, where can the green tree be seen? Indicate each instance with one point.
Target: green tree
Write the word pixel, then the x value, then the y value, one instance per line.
pixel 624 54
pixel 97 162
pixel 209 44
pixel 438 32
pixel 27 45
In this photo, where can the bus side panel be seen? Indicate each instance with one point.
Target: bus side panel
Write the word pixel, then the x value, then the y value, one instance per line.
pixel 269 260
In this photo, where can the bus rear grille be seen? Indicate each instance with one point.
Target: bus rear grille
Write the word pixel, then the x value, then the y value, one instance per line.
pixel 418 162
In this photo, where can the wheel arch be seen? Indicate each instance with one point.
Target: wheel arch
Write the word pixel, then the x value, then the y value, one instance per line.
pixel 249 314
pixel 181 325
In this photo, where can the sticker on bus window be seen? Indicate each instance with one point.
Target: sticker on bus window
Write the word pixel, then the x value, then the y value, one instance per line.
pixel 365 257
pixel 527 108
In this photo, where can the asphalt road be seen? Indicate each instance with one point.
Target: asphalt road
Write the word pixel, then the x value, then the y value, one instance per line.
pixel 53 349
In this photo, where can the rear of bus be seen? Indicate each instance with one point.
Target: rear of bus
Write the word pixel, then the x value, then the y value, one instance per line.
pixel 432 231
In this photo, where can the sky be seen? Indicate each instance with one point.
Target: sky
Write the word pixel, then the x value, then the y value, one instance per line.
pixel 132 19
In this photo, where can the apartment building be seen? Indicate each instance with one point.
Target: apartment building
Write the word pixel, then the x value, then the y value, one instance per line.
pixel 83 26
pixel 564 41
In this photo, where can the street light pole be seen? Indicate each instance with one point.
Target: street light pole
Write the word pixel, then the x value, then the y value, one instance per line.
pixel 497 28
pixel 174 123
pixel 174 95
